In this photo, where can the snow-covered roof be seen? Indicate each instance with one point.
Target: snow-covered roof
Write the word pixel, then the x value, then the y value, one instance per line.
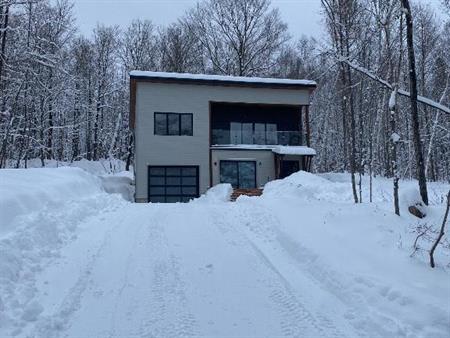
pixel 243 146
pixel 294 150
pixel 282 150
pixel 221 79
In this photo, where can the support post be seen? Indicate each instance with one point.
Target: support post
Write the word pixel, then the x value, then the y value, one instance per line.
pixel 301 125
pixel 308 130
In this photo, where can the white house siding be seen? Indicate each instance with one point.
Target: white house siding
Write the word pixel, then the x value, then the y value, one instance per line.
pixel 153 149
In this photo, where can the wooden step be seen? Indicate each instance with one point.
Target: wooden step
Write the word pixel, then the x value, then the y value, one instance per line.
pixel 247 192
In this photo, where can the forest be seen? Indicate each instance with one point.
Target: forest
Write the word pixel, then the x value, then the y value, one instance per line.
pixel 65 96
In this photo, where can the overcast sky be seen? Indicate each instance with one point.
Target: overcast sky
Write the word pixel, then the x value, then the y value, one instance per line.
pixel 302 16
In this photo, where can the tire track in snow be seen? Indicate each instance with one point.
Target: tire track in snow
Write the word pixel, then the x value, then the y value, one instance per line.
pixel 297 320
pixel 166 304
pixel 155 306
pixel 54 325
pixel 359 314
pixel 131 256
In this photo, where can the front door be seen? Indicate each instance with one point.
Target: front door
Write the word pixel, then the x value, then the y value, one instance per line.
pixel 288 168
pixel 240 174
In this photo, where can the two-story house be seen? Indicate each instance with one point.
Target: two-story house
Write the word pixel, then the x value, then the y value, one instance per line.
pixel 193 131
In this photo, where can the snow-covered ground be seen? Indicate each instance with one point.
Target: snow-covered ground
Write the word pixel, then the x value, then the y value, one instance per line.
pixel 301 260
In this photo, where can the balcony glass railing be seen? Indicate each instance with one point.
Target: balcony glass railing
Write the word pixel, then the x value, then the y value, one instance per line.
pixel 222 136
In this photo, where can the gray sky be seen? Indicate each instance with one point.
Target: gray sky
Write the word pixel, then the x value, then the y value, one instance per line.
pixel 302 16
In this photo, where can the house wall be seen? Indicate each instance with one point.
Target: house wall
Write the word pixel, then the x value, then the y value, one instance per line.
pixel 265 163
pixel 153 149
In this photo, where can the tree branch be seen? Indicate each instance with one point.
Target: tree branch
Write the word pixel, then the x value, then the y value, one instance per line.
pixel 421 99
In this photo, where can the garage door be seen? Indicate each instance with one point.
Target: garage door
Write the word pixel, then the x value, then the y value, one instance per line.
pixel 168 184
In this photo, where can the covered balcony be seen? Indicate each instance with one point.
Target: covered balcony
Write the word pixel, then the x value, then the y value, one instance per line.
pixel 258 133
pixel 258 124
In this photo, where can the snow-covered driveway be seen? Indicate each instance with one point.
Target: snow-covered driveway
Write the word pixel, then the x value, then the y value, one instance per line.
pixel 175 270
pixel 254 268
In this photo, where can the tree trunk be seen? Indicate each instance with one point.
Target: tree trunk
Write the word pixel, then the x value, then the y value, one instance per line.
pixel 352 135
pixel 413 97
pixel 130 152
pixel 5 13
pixel 441 232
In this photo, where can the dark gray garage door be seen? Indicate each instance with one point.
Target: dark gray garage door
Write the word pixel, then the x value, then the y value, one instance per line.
pixel 168 184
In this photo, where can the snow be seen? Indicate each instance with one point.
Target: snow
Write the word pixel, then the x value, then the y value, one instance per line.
pixel 120 183
pixel 392 100
pixel 244 146
pixel 301 260
pixel 30 190
pixel 294 150
pixel 430 102
pixel 218 193
pixel 395 137
pixel 100 167
pixel 207 77
pixel 285 150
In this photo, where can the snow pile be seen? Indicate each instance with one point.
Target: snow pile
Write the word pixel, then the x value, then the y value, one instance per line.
pixel 410 196
pixel 218 193
pixel 29 190
pixel 41 210
pixel 120 183
pixel 307 186
pixel 333 190
pixel 100 167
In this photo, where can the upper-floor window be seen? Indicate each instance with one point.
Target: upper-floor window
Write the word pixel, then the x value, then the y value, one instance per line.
pixel 173 124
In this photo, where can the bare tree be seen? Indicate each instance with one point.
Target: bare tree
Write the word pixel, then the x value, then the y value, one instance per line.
pixel 105 47
pixel 240 37
pixel 181 51
pixel 342 18
pixel 138 46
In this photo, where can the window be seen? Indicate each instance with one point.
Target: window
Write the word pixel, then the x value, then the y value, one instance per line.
pixel 173 124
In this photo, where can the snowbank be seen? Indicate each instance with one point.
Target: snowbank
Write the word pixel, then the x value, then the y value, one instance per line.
pixel 336 187
pixel 307 186
pixel 100 167
pixel 42 210
pixel 383 188
pixel 120 183
pixel 333 190
pixel 24 191
pixel 219 193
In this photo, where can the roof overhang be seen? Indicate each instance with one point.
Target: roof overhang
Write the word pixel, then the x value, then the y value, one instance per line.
pixel 280 150
pixel 294 150
pixel 222 80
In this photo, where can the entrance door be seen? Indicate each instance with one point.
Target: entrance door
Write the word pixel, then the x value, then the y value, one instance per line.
pixel 240 174
pixel 288 168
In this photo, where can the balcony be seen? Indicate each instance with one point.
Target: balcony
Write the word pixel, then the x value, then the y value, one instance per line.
pixel 287 138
